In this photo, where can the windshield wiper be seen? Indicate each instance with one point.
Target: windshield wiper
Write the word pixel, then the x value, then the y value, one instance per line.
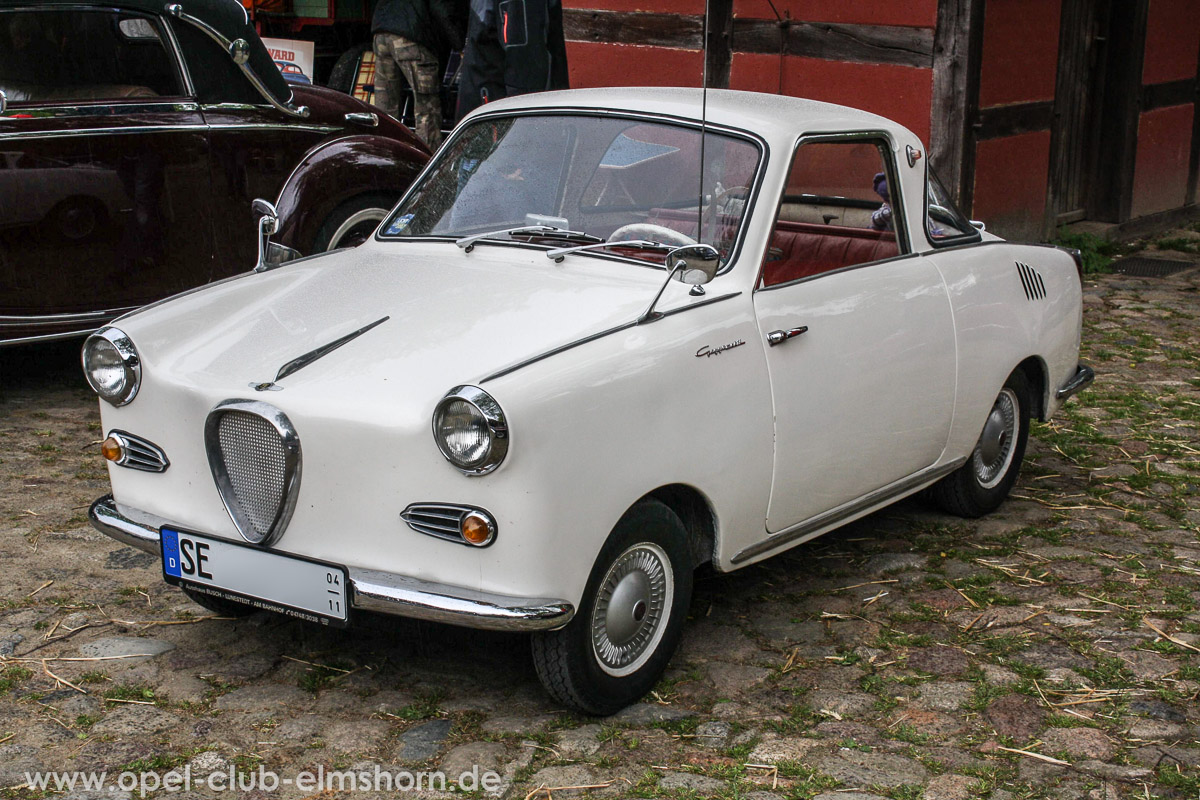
pixel 467 243
pixel 559 253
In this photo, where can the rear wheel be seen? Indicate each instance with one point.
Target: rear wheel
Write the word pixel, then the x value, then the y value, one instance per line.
pixel 219 605
pixel 630 619
pixel 353 222
pixel 980 485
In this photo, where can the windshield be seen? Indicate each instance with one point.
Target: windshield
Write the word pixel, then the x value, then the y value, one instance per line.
pixel 594 178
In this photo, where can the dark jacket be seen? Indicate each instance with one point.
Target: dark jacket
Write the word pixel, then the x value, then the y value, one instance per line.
pixel 513 47
pixel 440 25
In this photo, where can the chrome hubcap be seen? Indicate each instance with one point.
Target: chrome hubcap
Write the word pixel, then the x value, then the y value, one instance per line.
pixel 994 453
pixel 632 605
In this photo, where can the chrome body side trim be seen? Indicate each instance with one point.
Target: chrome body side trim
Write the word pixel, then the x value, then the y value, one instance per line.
pixel 382 592
pixel 220 472
pixel 139 453
pixel 176 10
pixel 47 337
pixel 809 527
pixel 62 319
pixel 126 131
pixel 1083 377
pixel 105 108
pixel 601 334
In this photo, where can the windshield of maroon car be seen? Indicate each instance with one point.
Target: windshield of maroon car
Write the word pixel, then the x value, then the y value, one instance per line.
pixel 611 178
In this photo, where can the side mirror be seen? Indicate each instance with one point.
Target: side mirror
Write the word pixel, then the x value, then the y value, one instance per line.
pixel 694 264
pixel 268 223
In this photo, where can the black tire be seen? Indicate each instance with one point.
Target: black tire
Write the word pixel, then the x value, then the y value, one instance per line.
pixel 648 542
pixel 979 486
pixel 353 222
pixel 219 605
pixel 345 69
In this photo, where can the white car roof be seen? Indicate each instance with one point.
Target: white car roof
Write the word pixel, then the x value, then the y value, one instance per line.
pixel 769 115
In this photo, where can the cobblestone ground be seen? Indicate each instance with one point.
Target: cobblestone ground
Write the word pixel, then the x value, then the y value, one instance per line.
pixel 1049 650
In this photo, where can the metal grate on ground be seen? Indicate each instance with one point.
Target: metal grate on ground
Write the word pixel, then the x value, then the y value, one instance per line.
pixel 1143 267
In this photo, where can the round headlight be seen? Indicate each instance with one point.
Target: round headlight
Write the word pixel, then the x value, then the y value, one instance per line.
pixel 112 367
pixel 470 430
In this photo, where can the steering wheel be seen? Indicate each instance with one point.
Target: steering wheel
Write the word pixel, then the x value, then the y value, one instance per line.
pixel 648 230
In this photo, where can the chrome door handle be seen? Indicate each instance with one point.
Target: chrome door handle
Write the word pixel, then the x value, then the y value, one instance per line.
pixel 779 337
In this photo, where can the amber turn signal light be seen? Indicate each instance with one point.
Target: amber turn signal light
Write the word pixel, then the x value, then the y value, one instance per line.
pixel 477 529
pixel 111 449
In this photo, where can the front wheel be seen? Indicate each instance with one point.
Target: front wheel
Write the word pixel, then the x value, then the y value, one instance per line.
pixel 630 620
pixel 980 485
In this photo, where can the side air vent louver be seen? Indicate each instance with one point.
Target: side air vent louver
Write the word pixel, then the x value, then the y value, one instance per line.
pixel 445 521
pixel 254 455
pixel 1031 282
pixel 138 453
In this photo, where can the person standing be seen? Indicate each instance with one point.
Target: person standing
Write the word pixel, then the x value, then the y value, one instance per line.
pixel 513 47
pixel 414 38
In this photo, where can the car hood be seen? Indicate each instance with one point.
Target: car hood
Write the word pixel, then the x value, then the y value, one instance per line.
pixel 451 318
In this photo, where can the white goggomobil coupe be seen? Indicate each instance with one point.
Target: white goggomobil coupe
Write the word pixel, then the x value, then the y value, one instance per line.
pixel 604 338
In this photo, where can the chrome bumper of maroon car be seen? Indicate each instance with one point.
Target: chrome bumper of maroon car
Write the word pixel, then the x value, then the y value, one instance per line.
pixel 382 592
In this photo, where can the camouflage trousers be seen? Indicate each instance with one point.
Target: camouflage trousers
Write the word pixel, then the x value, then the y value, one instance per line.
pixel 396 56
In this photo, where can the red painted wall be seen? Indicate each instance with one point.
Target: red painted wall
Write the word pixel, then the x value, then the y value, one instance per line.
pixel 1010 184
pixel 900 93
pixel 654 6
pixel 914 13
pixel 1172 41
pixel 592 64
pixel 1019 62
pixel 1163 156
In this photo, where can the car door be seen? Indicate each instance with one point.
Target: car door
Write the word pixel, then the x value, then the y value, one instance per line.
pixel 104 172
pixel 858 335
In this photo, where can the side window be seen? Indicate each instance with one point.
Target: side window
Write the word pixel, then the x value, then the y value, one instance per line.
pixel 836 211
pixel 54 57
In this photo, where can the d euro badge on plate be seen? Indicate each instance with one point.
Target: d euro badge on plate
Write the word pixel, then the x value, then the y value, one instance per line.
pixel 300 588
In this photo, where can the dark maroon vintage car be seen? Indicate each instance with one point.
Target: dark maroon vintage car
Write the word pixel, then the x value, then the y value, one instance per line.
pixel 134 136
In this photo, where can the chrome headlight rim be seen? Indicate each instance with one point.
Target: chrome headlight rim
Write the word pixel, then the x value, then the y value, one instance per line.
pixel 493 416
pixel 131 363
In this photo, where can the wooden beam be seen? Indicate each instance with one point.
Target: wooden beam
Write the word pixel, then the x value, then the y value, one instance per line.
pixel 718 43
pixel 957 43
pixel 1194 162
pixel 622 27
pixel 1112 185
pixel 868 44
pixel 1171 93
pixel 1000 121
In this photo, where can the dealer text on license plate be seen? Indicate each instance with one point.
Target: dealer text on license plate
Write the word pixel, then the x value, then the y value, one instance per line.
pixel 305 589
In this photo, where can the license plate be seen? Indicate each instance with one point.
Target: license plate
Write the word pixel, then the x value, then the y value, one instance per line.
pixel 294 586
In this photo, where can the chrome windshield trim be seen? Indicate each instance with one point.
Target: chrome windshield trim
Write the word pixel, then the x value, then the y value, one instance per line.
pixel 1083 377
pixel 812 527
pixel 373 590
pixel 176 10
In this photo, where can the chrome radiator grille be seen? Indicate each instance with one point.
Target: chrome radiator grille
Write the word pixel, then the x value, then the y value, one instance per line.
pixel 254 455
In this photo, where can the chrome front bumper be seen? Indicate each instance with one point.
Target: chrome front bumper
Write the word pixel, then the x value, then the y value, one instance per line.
pixel 1083 377
pixel 372 590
